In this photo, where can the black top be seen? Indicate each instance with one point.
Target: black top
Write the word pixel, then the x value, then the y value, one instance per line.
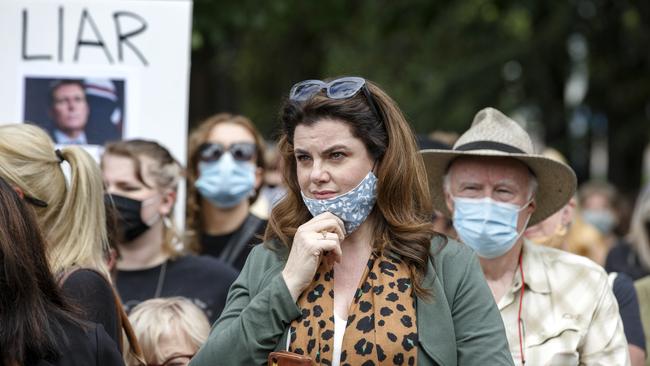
pixel 203 280
pixel 234 247
pixel 628 307
pixel 84 345
pixel 93 295
pixel 622 259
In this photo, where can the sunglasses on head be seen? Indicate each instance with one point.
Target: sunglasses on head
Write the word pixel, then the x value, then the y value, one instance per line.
pixel 341 88
pixel 240 151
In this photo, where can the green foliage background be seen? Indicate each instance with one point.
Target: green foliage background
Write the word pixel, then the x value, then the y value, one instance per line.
pixel 440 60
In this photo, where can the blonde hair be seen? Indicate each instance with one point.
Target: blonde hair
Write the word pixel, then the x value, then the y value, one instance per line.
pixel 173 316
pixel 166 171
pixel 74 221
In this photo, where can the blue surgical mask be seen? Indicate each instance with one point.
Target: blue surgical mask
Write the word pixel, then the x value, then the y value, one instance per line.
pixel 352 207
pixel 487 226
pixel 603 220
pixel 226 182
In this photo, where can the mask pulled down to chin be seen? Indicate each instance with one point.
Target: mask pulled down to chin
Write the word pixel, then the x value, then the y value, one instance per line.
pixel 352 207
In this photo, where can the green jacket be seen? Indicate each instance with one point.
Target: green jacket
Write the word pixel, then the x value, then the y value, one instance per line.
pixel 460 325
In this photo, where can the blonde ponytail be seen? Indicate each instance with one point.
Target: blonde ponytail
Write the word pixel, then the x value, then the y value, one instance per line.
pixel 74 221
pixel 80 228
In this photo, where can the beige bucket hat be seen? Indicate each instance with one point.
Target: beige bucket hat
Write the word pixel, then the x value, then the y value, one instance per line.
pixel 494 134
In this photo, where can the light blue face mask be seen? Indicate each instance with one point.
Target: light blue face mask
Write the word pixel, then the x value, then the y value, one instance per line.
pixel 226 182
pixel 603 220
pixel 487 226
pixel 352 207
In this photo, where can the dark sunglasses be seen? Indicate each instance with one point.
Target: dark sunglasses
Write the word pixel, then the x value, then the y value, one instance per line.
pixel 341 88
pixel 240 151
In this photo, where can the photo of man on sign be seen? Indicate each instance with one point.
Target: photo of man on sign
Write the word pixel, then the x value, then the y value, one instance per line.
pixel 76 111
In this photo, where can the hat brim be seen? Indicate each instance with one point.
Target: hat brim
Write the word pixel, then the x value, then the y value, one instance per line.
pixel 556 181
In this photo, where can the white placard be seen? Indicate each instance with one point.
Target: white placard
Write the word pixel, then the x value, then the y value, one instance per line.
pixel 131 56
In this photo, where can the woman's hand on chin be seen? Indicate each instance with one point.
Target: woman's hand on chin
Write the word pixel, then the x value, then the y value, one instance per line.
pixel 318 238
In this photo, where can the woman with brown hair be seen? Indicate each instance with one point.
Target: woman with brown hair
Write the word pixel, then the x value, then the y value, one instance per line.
pixel 39 327
pixel 141 179
pixel 225 170
pixel 352 271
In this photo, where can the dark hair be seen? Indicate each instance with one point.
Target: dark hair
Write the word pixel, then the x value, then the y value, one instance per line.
pixel 401 217
pixel 31 304
pixel 62 82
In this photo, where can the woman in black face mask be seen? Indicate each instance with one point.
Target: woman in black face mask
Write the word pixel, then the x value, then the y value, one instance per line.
pixel 141 179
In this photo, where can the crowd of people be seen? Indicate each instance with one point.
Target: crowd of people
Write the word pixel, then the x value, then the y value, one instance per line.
pixel 348 241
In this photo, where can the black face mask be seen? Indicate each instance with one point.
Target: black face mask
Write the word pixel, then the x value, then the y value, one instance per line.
pixel 129 222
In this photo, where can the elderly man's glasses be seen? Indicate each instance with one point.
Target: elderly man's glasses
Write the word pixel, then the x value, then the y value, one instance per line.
pixel 240 151
pixel 342 88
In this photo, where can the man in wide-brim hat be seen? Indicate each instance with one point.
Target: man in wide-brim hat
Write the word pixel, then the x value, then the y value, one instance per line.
pixel 557 307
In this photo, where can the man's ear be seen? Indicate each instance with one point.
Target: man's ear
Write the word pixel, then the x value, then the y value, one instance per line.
pixel 449 201
pixel 568 211
pixel 532 206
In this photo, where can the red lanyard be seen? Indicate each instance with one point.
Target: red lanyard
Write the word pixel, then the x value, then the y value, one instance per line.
pixel 519 322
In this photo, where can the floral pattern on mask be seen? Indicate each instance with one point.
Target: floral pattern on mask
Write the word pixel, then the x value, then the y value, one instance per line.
pixel 352 207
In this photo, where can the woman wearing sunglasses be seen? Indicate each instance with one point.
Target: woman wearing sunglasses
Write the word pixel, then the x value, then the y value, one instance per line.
pixel 351 272
pixel 225 170
pixel 141 179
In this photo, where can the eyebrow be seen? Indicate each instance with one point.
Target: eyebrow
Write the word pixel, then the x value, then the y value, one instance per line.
pixel 327 151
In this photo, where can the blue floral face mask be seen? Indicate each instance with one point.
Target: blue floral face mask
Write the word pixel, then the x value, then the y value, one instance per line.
pixel 226 182
pixel 487 226
pixel 352 207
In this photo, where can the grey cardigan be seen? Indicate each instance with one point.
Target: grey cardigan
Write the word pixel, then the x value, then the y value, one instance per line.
pixel 459 325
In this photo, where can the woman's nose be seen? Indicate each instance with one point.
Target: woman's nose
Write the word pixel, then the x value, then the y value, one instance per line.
pixel 318 173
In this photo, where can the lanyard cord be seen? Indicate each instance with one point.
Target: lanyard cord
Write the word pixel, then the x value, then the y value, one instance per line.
pixel 161 279
pixel 519 322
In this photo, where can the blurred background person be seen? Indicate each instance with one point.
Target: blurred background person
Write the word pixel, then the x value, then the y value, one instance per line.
pixel 444 141
pixel 65 189
pixel 225 174
pixel 141 179
pixel 39 326
pixel 170 331
pixel 598 202
pixel 273 188
pixel 632 255
pixel 556 230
